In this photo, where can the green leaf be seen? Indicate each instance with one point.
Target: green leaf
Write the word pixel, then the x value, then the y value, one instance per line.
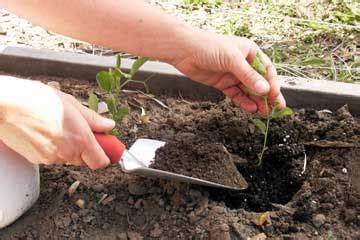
pixel 259 65
pixel 125 75
pixel 260 125
pixel 286 112
pixel 118 61
pixel 112 105
pixel 274 110
pixel 313 61
pixel 105 80
pixel 121 113
pixel 93 102
pixel 117 77
pixel 114 132
pixel 136 65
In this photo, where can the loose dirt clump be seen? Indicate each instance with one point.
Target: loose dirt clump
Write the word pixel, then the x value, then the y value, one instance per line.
pixel 190 157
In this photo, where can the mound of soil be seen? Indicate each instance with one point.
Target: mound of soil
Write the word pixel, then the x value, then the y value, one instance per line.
pixel 306 187
pixel 190 157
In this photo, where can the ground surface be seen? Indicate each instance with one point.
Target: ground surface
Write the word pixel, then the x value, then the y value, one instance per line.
pixel 307 38
pixel 290 196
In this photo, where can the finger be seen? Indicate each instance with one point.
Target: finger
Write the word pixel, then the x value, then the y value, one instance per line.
pixel 261 106
pixel 93 155
pixel 271 76
pixel 248 76
pixel 240 99
pixel 96 122
pixel 77 162
pixel 226 81
pixel 279 100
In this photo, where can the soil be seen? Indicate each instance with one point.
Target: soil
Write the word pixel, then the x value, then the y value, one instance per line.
pixel 188 156
pixel 306 188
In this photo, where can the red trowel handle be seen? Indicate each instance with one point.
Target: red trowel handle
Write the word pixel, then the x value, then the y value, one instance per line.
pixel 111 145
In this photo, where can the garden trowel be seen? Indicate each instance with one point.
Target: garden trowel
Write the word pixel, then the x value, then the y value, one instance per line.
pixel 141 154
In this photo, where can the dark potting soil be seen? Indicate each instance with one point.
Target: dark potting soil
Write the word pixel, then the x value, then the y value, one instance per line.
pixel 308 182
pixel 189 156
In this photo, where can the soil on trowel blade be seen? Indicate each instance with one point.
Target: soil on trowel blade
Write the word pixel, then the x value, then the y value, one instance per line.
pixel 306 188
pixel 208 161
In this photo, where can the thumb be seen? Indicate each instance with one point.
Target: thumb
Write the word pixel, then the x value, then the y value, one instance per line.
pixel 96 122
pixel 248 76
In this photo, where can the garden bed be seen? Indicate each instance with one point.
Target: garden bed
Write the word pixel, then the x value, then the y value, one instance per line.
pixel 319 199
pixel 307 185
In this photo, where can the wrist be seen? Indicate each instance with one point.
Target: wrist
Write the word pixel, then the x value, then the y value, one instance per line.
pixel 185 42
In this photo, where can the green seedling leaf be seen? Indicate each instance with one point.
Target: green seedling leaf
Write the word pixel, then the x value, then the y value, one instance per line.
pixel 274 110
pixel 121 113
pixel 93 102
pixel 117 73
pixel 114 132
pixel 125 75
pixel 259 65
pixel 280 113
pixel 136 65
pixel 117 77
pixel 286 112
pixel 112 105
pixel 313 61
pixel 105 80
pixel 118 61
pixel 260 125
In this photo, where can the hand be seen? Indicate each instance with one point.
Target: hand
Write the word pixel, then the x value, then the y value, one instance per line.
pixel 47 126
pixel 223 63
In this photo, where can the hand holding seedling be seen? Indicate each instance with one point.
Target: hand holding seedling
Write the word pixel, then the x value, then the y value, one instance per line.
pixel 224 63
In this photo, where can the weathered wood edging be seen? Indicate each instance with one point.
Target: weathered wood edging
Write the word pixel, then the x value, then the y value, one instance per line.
pixel 165 79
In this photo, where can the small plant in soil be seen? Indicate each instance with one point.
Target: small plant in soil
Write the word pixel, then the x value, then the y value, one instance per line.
pixel 275 113
pixel 112 82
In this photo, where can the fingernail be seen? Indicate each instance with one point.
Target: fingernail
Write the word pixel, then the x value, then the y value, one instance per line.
pixel 261 86
pixel 108 122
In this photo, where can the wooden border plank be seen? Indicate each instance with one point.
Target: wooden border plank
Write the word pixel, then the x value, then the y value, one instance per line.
pixel 164 79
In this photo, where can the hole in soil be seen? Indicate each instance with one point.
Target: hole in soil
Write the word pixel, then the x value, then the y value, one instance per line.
pixel 275 181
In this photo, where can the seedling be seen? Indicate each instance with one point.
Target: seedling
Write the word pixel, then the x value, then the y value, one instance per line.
pixel 275 113
pixel 112 82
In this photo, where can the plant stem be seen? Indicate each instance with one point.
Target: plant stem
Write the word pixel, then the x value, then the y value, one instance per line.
pixel 260 156
pixel 127 81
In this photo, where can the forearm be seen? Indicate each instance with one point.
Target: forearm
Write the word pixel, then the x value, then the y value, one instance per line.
pixel 131 26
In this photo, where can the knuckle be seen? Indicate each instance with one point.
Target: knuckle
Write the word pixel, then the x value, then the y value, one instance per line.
pixel 249 75
pixel 81 141
pixel 65 156
pixel 233 58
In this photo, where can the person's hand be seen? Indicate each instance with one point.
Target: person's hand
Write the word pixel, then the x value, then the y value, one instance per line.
pixel 223 63
pixel 47 126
